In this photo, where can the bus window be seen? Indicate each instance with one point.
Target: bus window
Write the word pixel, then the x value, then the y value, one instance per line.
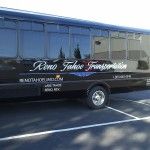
pixel 63 29
pixel 80 46
pixel 8 43
pixel 96 32
pixel 37 26
pixel 134 47
pixel 104 33
pixel 57 28
pixel 118 45
pixel 25 25
pixel 77 30
pixel 32 44
pixel 52 28
pixel 1 22
pixel 145 45
pixel 10 24
pixel 101 48
pixel 58 45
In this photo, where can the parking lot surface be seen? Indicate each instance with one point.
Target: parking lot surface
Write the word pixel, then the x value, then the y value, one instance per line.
pixel 69 124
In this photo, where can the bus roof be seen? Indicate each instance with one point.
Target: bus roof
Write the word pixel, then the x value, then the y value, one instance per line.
pixel 28 15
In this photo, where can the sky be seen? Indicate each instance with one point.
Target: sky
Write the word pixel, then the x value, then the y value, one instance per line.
pixel 131 13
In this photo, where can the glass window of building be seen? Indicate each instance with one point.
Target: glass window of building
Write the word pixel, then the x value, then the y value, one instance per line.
pixel 80 46
pixel 58 46
pixel 32 44
pixel 118 45
pixel 8 43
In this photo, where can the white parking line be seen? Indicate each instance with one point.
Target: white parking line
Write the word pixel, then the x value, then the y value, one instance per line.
pixel 70 129
pixel 122 112
pixel 132 101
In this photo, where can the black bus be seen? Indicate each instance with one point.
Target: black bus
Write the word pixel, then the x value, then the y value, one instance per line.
pixel 48 55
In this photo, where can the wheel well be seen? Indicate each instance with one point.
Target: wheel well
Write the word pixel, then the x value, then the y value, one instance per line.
pixel 104 85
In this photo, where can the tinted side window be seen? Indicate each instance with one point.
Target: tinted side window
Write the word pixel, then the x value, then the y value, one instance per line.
pixel 56 28
pixel 25 25
pixel 28 25
pixel 1 22
pixel 8 43
pixel 58 45
pixel 145 44
pixel 32 44
pixel 52 28
pixel 10 24
pixel 37 26
pixel 100 43
pixel 8 38
pixel 118 45
pixel 101 47
pixel 77 30
pixel 134 47
pixel 80 46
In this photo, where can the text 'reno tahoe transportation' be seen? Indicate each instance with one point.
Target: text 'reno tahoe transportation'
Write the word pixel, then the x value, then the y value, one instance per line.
pixel 61 57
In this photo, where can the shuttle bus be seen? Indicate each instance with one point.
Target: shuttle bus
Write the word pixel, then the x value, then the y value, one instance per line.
pixel 42 55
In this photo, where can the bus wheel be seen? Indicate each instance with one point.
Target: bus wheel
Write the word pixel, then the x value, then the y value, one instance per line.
pixel 97 97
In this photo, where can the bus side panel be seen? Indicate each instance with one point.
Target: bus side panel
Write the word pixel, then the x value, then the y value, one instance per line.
pixel 38 77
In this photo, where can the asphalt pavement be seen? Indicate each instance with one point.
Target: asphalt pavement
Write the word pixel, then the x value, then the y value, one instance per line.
pixel 69 124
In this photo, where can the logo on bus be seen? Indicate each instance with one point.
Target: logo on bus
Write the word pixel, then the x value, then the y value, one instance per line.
pixel 76 66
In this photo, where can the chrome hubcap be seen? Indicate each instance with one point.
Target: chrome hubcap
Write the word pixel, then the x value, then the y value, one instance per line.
pixel 98 98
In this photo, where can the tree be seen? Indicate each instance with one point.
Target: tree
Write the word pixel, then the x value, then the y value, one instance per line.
pixel 77 53
pixel 61 54
pixel 87 56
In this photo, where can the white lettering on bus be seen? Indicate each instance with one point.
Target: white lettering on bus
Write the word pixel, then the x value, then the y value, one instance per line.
pixel 72 66
pixel 93 65
pixel 42 65
pixel 69 65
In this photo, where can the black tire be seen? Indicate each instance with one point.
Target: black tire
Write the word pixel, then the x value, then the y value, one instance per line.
pixel 97 97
